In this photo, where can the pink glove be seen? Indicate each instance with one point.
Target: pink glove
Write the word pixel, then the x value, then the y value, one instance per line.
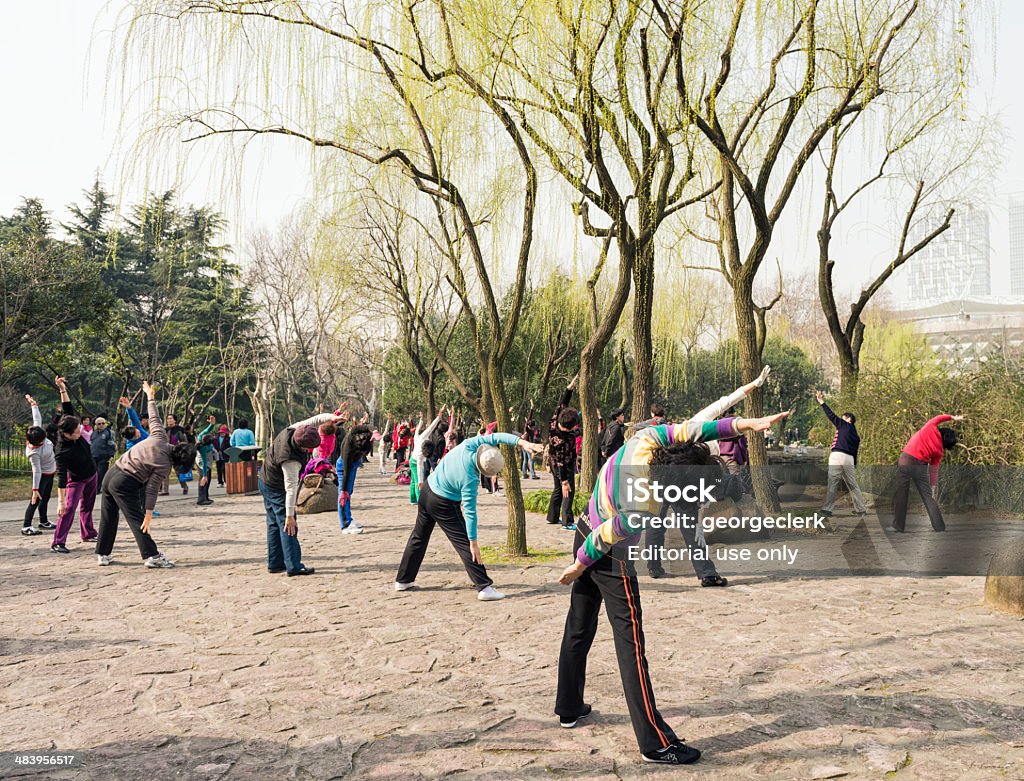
pixel 342 498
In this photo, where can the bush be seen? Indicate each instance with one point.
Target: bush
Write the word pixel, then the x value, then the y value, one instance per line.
pixel 537 502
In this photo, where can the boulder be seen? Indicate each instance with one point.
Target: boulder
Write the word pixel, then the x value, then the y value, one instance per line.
pixel 1004 585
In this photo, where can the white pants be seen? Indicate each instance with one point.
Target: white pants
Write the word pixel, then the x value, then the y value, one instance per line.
pixel 841 469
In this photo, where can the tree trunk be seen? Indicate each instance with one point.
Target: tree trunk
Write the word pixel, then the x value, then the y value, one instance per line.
pixel 515 536
pixel 643 303
pixel 848 379
pixel 430 391
pixel 750 366
pixel 623 378
pixel 589 451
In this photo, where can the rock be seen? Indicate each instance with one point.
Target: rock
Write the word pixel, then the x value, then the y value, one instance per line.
pixel 827 771
pixel 1004 585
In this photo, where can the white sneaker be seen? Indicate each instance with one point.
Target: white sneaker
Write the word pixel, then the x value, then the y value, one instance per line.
pixel 352 528
pixel 403 586
pixel 490 594
pixel 159 561
pixel 104 561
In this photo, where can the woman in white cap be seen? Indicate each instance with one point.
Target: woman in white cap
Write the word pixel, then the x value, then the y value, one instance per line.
pixel 448 499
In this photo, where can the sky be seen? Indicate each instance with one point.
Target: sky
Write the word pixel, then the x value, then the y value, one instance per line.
pixel 61 128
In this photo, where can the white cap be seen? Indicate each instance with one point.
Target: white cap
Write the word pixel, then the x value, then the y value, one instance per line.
pixel 489 460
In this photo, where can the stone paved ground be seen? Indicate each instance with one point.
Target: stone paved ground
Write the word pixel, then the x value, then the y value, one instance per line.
pixel 219 670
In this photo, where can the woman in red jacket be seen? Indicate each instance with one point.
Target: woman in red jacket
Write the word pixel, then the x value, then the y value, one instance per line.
pixel 919 463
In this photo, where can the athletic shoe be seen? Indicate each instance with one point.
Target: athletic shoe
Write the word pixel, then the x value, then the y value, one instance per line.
pixel 90 539
pixel 276 571
pixel 352 528
pixel 569 527
pixel 28 531
pixel 893 529
pixel 404 586
pixel 717 580
pixel 204 504
pixel 58 548
pixel 656 572
pixel 674 754
pixel 46 525
pixel 490 594
pixel 571 721
pixel 825 513
pixel 160 561
pixel 104 561
pixel 184 489
pixel 303 571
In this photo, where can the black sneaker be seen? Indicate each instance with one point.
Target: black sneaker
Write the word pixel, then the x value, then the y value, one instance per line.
pixel 184 489
pixel 28 531
pixel 717 580
pixel 656 572
pixel 303 571
pixel 46 525
pixel 571 721
pixel 825 513
pixel 677 753
pixel 275 571
pixel 59 548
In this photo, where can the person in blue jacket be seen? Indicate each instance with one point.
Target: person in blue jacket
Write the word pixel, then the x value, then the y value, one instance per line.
pixel 134 432
pixel 448 500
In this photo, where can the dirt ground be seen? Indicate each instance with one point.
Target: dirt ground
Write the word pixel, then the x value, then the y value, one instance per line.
pixel 218 670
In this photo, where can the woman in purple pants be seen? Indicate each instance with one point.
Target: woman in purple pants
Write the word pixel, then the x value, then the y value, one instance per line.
pixel 76 475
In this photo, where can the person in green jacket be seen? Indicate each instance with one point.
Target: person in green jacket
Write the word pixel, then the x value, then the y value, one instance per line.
pixel 205 440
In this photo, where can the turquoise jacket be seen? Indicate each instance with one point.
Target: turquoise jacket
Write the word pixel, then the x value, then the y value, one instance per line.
pixel 457 478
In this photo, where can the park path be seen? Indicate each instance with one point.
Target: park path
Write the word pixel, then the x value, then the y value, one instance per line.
pixel 219 670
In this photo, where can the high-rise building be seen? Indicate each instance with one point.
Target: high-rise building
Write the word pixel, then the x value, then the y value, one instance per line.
pixel 1016 224
pixel 956 264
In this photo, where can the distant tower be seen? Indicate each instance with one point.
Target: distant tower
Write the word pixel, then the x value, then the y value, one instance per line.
pixel 957 264
pixel 1016 214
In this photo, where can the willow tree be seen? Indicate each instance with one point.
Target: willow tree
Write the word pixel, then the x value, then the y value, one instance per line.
pixel 779 77
pixel 590 84
pixel 381 87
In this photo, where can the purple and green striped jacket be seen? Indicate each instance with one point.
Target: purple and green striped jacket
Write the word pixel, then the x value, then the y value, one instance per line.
pixel 608 511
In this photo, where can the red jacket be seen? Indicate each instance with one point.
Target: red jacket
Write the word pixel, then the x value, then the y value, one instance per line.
pixel 926 445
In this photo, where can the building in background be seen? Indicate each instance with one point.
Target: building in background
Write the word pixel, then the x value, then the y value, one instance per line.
pixel 1016 226
pixel 967 330
pixel 955 265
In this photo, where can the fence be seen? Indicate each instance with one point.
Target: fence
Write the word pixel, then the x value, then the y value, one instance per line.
pixel 12 455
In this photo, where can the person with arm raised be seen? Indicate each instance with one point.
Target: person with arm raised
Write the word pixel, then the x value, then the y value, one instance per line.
pixel 39 451
pixel 598 577
pixel 76 475
pixel 448 500
pixel 132 485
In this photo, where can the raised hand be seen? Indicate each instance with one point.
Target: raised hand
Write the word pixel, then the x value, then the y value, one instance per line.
pixel 819 396
pixel 211 419
pixel 30 400
pixel 149 390
pixel 958 418
pixel 60 383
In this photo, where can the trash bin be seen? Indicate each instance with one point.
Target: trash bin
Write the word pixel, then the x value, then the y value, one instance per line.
pixel 243 477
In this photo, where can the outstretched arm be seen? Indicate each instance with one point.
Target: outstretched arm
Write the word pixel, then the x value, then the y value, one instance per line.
pixel 718 408
pixel 37 417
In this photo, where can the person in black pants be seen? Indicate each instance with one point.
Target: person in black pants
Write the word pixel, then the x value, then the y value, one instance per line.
pixel 132 485
pixel 562 459
pixel 612 582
